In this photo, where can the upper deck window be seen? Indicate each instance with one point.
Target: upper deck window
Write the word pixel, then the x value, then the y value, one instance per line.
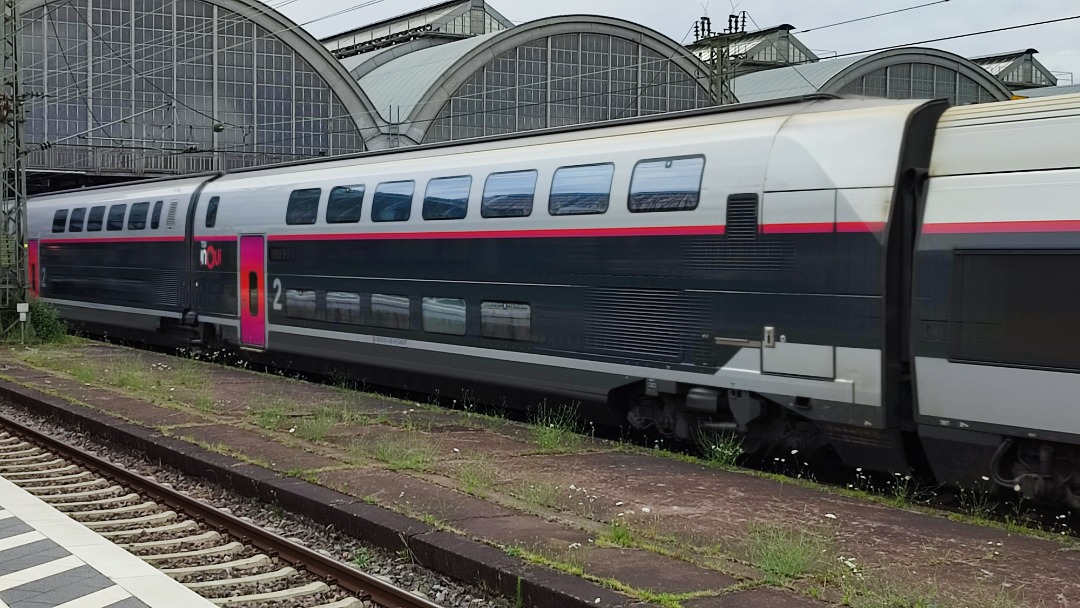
pixel 509 194
pixel 392 201
pixel 345 204
pixel 303 206
pixel 155 220
pixel 211 211
pixel 447 198
pixel 116 217
pixel 93 221
pixel 137 217
pixel 59 220
pixel 666 184
pixel 75 224
pixel 581 189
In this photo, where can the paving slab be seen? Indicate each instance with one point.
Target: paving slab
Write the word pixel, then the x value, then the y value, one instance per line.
pixel 257 447
pixel 756 598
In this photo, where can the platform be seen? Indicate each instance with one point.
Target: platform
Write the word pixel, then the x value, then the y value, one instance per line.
pixel 50 560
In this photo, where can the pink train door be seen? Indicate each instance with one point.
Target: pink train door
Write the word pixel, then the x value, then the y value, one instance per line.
pixel 253 291
pixel 34 271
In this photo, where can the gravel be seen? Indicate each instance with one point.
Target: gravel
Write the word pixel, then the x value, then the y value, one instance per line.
pixel 396 569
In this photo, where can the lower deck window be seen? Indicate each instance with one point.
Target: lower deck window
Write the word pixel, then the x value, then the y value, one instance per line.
pixel 391 312
pixel 444 316
pixel 506 321
pixel 301 304
pixel 343 307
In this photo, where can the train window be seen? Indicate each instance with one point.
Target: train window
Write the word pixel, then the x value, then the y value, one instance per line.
pixel 742 217
pixel 253 293
pixel 343 307
pixel 447 198
pixel 444 316
pixel 137 217
pixel 509 194
pixel 116 217
pixel 345 205
pixel 506 321
pixel 581 189
pixel 211 211
pixel 75 224
pixel 93 221
pixel 59 220
pixel 155 219
pixel 392 202
pixel 391 312
pixel 301 304
pixel 303 206
pixel 666 184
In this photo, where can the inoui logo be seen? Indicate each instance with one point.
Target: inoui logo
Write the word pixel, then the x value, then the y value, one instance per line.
pixel 210 256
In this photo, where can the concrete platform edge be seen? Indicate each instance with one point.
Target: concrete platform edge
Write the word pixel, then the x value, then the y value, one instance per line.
pixel 461 558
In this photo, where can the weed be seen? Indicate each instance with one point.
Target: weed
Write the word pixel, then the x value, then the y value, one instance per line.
pixel 270 413
pixel 619 534
pixel 400 451
pixel 538 493
pixel 556 430
pixel 314 428
pixel 83 372
pixel 362 558
pixel 476 478
pixel 720 449
pixel 189 374
pixel 976 502
pixel 786 554
pixel 131 374
pixel 45 321
pixel 206 403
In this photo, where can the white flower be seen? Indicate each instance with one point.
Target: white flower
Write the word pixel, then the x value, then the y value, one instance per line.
pixel 985 478
pixel 292 430
pixel 575 545
pixel 620 503
pixel 456 450
pixel 793 452
pixel 830 516
pixel 646 510
pixel 596 601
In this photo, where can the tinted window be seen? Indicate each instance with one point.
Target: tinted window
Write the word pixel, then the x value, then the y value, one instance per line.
pixel 444 316
pixel 742 217
pixel 59 220
pixel 391 312
pixel 116 217
pixel 343 307
pixel 447 198
pixel 581 189
pixel 392 202
pixel 211 211
pixel 303 206
pixel 508 194
pixel 505 320
pixel 93 221
pixel 345 205
pixel 137 217
pixel 155 220
pixel 666 184
pixel 300 303
pixel 75 224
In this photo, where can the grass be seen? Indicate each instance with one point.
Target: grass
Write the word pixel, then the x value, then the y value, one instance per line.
pixel 315 428
pixel 400 451
pixel 132 374
pixel 720 450
pixel 539 493
pixel 476 478
pixel 271 412
pixel 362 558
pixel 556 430
pixel 785 554
pixel 206 403
pixel 619 534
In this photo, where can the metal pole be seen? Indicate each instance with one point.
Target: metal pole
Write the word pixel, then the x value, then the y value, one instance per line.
pixel 13 252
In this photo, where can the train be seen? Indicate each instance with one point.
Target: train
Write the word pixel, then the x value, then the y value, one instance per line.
pixel 894 281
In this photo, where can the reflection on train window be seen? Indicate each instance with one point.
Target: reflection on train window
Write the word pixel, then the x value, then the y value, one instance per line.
pixel 666 184
pixel 211 211
pixel 509 194
pixel 392 202
pixel 137 217
pixel 343 307
pixel 447 198
pixel 581 189
pixel 391 312
pixel 59 220
pixel 93 221
pixel 300 304
pixel 75 224
pixel 116 217
pixel 345 205
pixel 505 320
pixel 303 206
pixel 155 220
pixel 444 316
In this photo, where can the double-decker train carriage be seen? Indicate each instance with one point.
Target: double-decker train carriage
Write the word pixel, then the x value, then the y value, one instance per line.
pixel 853 273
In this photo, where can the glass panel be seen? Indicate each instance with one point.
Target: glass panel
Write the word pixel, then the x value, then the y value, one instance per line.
pixel 506 321
pixel 300 304
pixel 155 220
pixel 668 184
pixel 447 198
pixel 116 217
pixel 97 214
pixel 76 222
pixel 345 205
pixel 509 194
pixel 253 293
pixel 392 202
pixel 580 190
pixel 391 312
pixel 59 220
pixel 137 217
pixel 343 307
pixel 211 212
pixel 444 316
pixel 303 206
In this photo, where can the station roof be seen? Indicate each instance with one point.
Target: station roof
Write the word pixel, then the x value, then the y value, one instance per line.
pixel 1067 89
pixel 1017 69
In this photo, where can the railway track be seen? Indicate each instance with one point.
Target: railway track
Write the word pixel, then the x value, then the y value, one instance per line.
pixel 219 556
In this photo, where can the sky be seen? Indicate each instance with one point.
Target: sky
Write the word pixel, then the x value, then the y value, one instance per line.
pixel 1058 43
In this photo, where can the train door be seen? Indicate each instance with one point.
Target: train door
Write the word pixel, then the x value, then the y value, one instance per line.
pixel 32 261
pixel 253 291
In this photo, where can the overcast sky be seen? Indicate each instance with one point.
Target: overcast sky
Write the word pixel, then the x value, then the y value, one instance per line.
pixel 1058 43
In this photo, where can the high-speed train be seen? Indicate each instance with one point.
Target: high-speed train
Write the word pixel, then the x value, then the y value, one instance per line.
pixel 896 280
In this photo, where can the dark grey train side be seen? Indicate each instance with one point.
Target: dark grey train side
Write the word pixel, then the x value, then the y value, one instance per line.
pixel 746 270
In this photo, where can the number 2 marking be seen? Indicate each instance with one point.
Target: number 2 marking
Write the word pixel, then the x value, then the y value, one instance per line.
pixel 277 294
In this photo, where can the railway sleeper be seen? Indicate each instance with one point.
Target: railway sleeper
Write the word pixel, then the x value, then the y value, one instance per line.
pixel 113 500
pixel 265 577
pixel 187 524
pixel 250 563
pixel 99 513
pixel 196 540
pixel 274 596
pixel 155 518
pixel 29 484
pixel 64 469
pixel 232 548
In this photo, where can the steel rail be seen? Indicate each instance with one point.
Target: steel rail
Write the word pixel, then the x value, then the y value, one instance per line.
pixel 332 570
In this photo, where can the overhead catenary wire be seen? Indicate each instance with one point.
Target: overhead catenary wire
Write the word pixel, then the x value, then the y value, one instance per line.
pixel 868 17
